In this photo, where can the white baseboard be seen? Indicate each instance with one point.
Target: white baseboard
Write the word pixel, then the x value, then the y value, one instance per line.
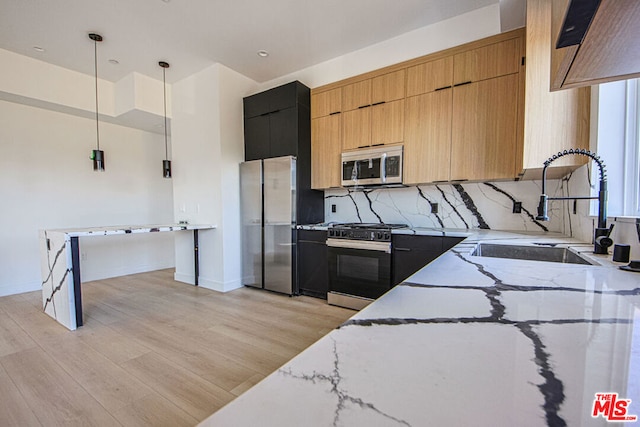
pixel 208 283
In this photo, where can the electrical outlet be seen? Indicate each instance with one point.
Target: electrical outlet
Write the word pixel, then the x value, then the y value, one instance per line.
pixel 517 207
pixel 434 208
pixel 333 208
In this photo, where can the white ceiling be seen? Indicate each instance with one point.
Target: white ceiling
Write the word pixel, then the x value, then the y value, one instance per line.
pixel 193 34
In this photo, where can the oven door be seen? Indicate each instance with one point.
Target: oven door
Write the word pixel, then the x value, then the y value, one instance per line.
pixel 359 268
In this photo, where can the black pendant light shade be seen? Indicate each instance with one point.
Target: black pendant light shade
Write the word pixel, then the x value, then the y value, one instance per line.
pixel 98 160
pixel 97 155
pixel 166 163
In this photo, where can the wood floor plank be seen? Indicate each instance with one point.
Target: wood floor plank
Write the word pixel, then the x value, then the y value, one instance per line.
pixel 152 352
pixel 12 337
pixel 14 410
pixel 247 384
pixel 187 352
pixel 54 396
pixel 154 411
pixel 186 390
pixel 114 346
pixel 107 382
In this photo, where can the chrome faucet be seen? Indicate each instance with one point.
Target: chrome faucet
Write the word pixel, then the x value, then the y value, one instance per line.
pixel 601 238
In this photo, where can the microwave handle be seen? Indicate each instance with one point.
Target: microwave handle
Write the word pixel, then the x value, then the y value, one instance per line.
pixel 383 167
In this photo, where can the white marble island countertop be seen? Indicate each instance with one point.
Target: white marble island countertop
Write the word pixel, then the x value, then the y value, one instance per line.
pixel 468 341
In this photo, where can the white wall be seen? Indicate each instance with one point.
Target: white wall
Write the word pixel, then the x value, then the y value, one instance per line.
pixel 48 182
pixel 208 146
pixel 474 25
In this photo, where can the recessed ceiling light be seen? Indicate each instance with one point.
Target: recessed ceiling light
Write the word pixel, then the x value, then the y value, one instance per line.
pixel 263 53
pixel 114 61
pixel 38 49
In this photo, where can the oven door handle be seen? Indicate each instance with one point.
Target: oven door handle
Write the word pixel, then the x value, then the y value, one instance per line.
pixel 360 244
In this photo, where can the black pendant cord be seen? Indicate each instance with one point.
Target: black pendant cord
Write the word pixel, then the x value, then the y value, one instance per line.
pixel 164 87
pixel 95 67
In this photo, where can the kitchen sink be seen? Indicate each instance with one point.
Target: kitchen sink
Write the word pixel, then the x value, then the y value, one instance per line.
pixel 529 253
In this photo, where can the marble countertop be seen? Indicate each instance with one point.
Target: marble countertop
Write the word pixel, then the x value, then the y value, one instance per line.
pixel 465 341
pixel 128 229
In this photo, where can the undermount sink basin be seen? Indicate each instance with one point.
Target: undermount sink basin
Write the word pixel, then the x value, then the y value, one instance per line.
pixel 529 253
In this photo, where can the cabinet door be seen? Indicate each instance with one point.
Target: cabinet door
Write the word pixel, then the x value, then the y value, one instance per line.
pixel 326 147
pixel 388 87
pixel 494 60
pixel 411 253
pixel 430 76
pixel 325 103
pixel 427 142
pixel 256 105
pixel 256 137
pixel 283 133
pixel 282 97
pixel 387 123
pixel 356 128
pixel 356 95
pixel 484 131
pixel 313 268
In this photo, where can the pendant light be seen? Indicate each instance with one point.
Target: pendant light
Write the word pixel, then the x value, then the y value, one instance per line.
pixel 97 155
pixel 166 163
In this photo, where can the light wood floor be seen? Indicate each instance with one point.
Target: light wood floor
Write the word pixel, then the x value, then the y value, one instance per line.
pixel 152 352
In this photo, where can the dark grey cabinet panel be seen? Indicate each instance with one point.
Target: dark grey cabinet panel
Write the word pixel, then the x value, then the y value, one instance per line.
pixel 313 272
pixel 283 132
pixel 277 122
pixel 256 137
pixel 411 253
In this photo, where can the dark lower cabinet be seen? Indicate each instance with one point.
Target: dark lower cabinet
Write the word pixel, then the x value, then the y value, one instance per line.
pixel 412 252
pixel 313 271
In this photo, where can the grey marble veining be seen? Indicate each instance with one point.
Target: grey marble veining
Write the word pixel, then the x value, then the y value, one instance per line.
pixel 467 340
pixel 460 205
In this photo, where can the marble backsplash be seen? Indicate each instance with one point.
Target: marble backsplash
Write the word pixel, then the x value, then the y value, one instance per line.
pixel 487 205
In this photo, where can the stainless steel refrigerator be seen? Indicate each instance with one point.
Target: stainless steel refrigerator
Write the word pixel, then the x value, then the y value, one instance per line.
pixel 268 207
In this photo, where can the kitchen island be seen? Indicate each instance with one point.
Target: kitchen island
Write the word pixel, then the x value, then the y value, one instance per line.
pixel 60 265
pixel 468 340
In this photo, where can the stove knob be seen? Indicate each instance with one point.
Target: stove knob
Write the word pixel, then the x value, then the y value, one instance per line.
pixel 387 236
pixel 379 235
pixel 343 233
pixel 332 233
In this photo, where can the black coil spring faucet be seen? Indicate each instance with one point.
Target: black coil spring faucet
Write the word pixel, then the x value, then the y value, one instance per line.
pixel 601 238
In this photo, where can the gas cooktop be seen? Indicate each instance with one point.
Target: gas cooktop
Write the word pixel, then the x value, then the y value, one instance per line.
pixel 363 231
pixel 373 226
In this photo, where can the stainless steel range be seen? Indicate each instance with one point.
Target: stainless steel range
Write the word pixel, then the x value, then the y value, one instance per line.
pixel 359 263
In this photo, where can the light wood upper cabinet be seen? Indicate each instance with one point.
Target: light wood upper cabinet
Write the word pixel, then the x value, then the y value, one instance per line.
pixel 553 121
pixel 325 103
pixel 609 50
pixel 387 123
pixel 356 95
pixel 427 139
pixel 356 128
pixel 388 87
pixel 326 148
pixel 450 131
pixel 484 129
pixel 494 60
pixel 430 76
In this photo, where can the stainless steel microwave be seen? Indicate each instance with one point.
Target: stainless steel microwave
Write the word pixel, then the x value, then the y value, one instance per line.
pixel 372 166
